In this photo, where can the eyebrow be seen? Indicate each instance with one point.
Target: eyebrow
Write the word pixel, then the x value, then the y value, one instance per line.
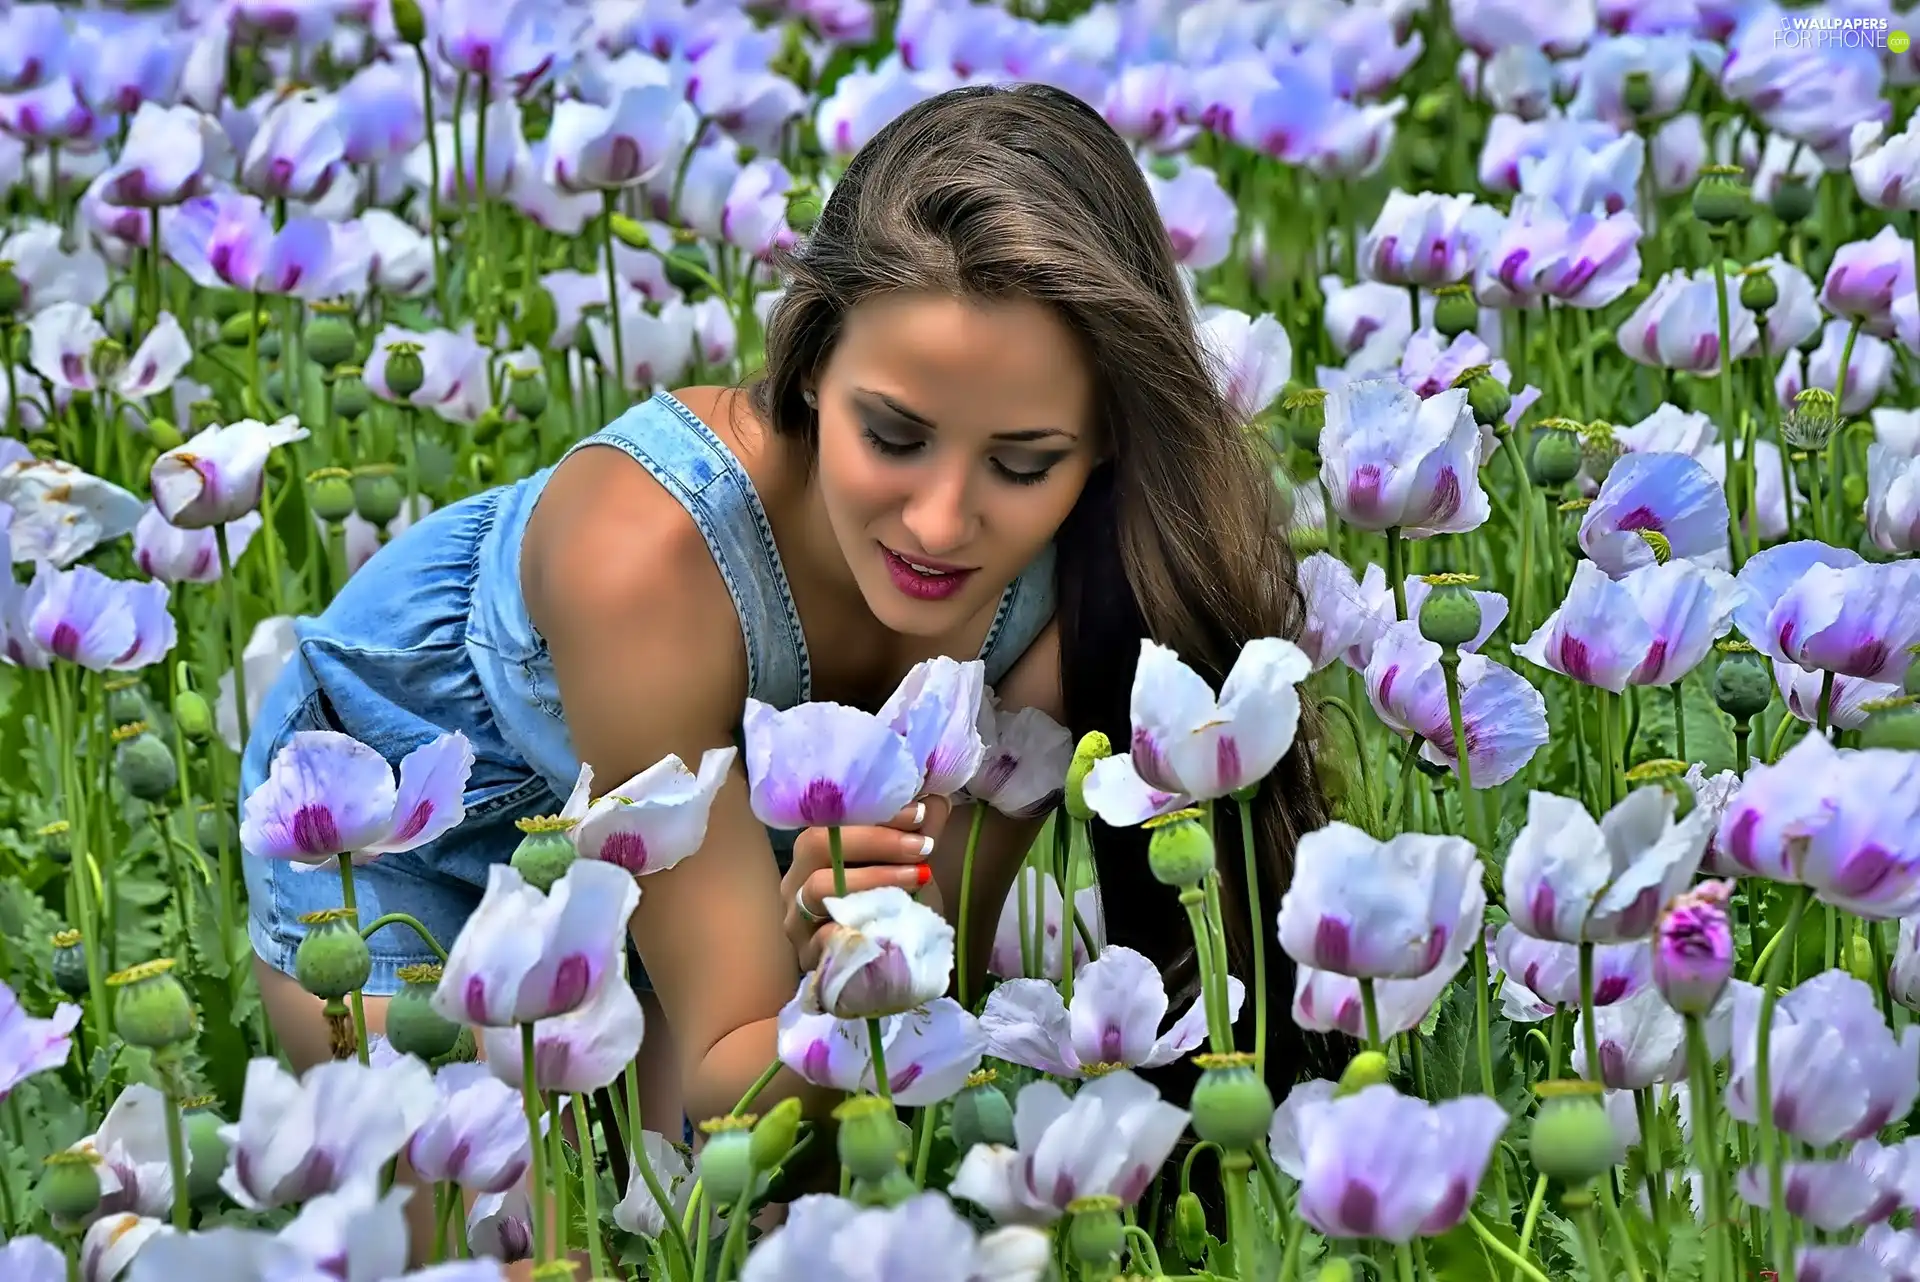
pixel 914 416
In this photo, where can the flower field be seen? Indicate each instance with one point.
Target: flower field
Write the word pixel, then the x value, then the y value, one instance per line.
pixel 1584 342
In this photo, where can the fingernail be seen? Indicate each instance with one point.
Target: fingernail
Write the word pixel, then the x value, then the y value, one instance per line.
pixel 925 873
pixel 919 813
pixel 922 846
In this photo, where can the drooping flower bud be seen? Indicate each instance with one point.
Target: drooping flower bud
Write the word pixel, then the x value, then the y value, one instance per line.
pixel 726 1160
pixel 244 327
pixel 687 270
pixel 1095 1234
pixel 408 22
pixel 1742 686
pixel 143 764
pixel 774 1134
pixel 629 232
pixel 70 1185
pixel 194 717
pixel 151 1007
pixel 1180 851
pixel 545 851
pixel 329 336
pixel 1368 1068
pixel 1721 196
pixel 164 435
pixel 1636 92
pixel 414 1027
pixel 1231 1105
pixel 1092 748
pixel 213 830
pixel 1572 1139
pixel 333 959
pixel 981 1113
pixel 1450 615
pixel 405 373
pixel 1693 948
pixel 69 963
pixel 1454 311
pixel 1190 1227
pixel 871 1140
pixel 1338 1269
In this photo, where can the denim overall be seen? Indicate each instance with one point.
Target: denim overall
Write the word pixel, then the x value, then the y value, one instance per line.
pixel 432 635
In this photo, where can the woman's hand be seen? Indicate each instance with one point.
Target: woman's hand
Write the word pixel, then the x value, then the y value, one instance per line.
pixel 895 854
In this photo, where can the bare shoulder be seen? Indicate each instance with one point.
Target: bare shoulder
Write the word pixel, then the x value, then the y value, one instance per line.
pixel 1034 679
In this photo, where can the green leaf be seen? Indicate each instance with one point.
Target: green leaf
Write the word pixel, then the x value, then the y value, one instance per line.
pixel 1570 1259
pixel 1686 1250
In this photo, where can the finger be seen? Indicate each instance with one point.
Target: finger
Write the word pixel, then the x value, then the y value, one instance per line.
pixel 883 846
pixel 872 877
pixel 910 817
pixel 938 811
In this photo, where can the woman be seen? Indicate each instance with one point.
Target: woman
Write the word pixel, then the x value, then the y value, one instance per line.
pixel 985 427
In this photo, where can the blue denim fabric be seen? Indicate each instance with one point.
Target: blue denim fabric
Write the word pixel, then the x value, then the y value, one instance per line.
pixel 432 635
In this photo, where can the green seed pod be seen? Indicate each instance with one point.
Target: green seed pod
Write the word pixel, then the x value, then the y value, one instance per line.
pixel 70 1184
pixel 629 232
pixel 414 1027
pixel 1450 616
pixel 143 764
pixel 1454 311
pixel 378 495
pixel 981 1113
pixel 164 435
pixel 1721 197
pixel 1572 1139
pixel 527 393
pixel 1758 291
pixel 1190 1227
pixel 1179 853
pixel 330 493
pixel 1368 1068
pixel 1092 748
pixel 803 209
pixel 465 1050
pixel 774 1135
pixel 1095 1234
pixel 685 265
pixel 408 22
pixel 56 841
pixel 329 337
pixel 871 1141
pixel 207 1152
pixel 351 398
pixel 193 715
pixel 150 1006
pixel 125 701
pixel 405 373
pixel 1891 723
pixel 726 1161
pixel 1336 1270
pixel 212 828
pixel 1742 686
pixel 238 329
pixel 1231 1105
pixel 486 429
pixel 545 852
pixel 1793 199
pixel 1556 456
pixel 333 959
pixel 70 963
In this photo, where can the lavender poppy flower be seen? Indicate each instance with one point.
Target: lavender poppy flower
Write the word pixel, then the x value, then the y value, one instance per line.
pixel 1842 1264
pixel 580 1051
pixel 929 1051
pixel 1893 499
pixel 753 217
pixel 1114 1022
pixel 327 794
pixel 1596 637
pixel 1391 460
pixel 1651 508
pixel 1643 1041
pixel 1504 717
pixel 1200 216
pixel 1886 171
pixel 477 1136
pixel 653 820
pixel 59 513
pixel 1512 141
pixel 32 1259
pixel 164 160
pixel 1111 1137
pixel 1147 102
pixel 337 1123
pixel 891 954
pixel 1357 313
pixel 1343 613
pixel 626 142
pixel 524 956
pixel 1677 154
pixel 1667 62
pixel 1380 910
pixel 1867 279
pixel 1023 772
pixel 936 710
pixel 1252 356
pixel 1424 239
pixel 1570 879
pixel 65 347
pixel 1897 1251
pixel 1380 1164
pixel 29 1046
pixel 1827 608
pixel 1856 1190
pixel 170 554
pixel 1805 690
pixel 1836 1071
pixel 1326 1002
pixel 1677 326
pixel 829 1239
pixel 1686 607
pixel 379 113
pixel 1869 368
pixel 825 765
pixel 638 1211
pixel 114 1243
pixel 453 368
pixel 1035 896
pixel 298 151
pixel 133 1168
pixel 1693 948
pixel 1550 969
pixel 35 48
pixel 217 476
pixel 500 1225
pixel 102 624
pixel 1486 26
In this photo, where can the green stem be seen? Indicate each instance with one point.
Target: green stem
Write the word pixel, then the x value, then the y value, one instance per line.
pixel 561 1180
pixel 1219 1035
pixel 1836 453
pixel 177 1154
pixel 591 1191
pixel 236 635
pixel 613 301
pixel 1770 1146
pixel 881 1086
pixel 402 919
pixel 1706 1144
pixel 839 863
pixel 359 1006
pixel 1617 1222
pixel 1469 804
pixel 1726 402
pixel 530 1101
pixel 1241 1225
pixel 637 1155
pixel 1217 931
pixel 1257 933
pixel 1679 719
pixel 1397 573
pixel 963 973
pixel 1587 1035
pixel 1521 1268
pixel 1370 1009
pixel 433 184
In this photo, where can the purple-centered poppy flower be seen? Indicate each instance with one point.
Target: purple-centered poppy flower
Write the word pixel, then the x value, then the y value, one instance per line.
pixel 1252 358
pixel 1677 326
pixel 1364 311
pixel 114 1243
pixel 830 1239
pixel 754 215
pixel 865 99
pixel 1380 910
pixel 1110 1137
pixel 1518 83
pixel 1652 508
pixel 929 1051
pixel 1550 969
pixel 891 954
pixel 1867 280
pixel 500 1225
pixel 1896 1250
pixel 1844 1264
pixel 453 369
pixel 1677 154
pixel 298 151
pixel 731 84
pixel 1869 368
pixel 1119 1002
pixel 1571 879
pixel 1687 606
pixel 1893 499
pixel 1596 637
pixel 653 820
pixel 1844 822
pixel 1576 180
pixel 69 348
pixel 1667 62
pixel 228 241
pixel 1836 1071
pixel 1326 1002
pixel 29 1046
pixel 658 345
pixel 1023 771
pixel 1199 214
pixel 1886 171
pixel 1513 141
pixel 1862 1187
pixel 628 141
pixel 1804 689
pixel 1344 617
pixel 327 794
pixel 35 46
pixel 85 618
pixel 165 158
pixel 578 1052
pixel 133 1168
pixel 517 46
pixel 1643 1041
pixel 379 113
pixel 1147 102
pixel 524 956
pixel 1391 460
pixel 1504 717
pixel 1530 245
pixel 1811 92
pixel 1425 239
pixel 1035 897
pixel 339 1122
pixel 936 710
pixel 825 765
pixel 476 1136
pixel 32 1259
pixel 1828 608
pixel 1380 1164
pixel 1487 26
pixel 1693 948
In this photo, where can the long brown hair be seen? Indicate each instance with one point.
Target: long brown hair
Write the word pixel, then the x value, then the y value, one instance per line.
pixel 1024 191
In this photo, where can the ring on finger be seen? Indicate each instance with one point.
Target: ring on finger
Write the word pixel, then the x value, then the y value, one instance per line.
pixel 800 903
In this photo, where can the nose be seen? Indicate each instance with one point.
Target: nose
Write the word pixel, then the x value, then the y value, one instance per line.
pixel 939 513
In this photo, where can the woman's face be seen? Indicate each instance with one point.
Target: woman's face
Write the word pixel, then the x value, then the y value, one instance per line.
pixel 955 437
